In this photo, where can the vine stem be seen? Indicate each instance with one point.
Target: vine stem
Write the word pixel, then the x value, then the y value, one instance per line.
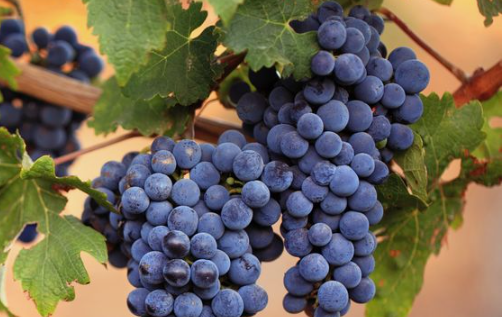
pixel 71 156
pixel 456 71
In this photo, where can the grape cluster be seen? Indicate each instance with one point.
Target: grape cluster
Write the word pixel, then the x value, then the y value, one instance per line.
pixel 195 224
pixel 337 131
pixel 47 129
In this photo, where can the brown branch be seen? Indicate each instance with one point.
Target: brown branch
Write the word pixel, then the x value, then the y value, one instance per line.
pixel 456 71
pixel 71 156
pixel 481 86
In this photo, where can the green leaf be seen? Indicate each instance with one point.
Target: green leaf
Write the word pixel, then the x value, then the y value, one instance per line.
pixel 6 11
pixel 444 2
pixel 412 164
pixel 30 193
pixel 261 27
pixel 484 164
pixel 489 9
pixel 8 70
pixel 185 68
pixel 128 31
pixel 155 116
pixel 225 8
pixel 447 132
pixel 239 74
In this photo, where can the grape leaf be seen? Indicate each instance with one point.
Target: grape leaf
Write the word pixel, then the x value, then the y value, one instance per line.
pixel 128 31
pixel 239 74
pixel 225 8
pixel 444 2
pixel 185 68
pixel 447 132
pixel 30 193
pixel 489 9
pixel 262 28
pixel 8 70
pixel 6 11
pixel 155 116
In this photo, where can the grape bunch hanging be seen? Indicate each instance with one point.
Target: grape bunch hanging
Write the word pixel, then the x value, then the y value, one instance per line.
pixel 46 128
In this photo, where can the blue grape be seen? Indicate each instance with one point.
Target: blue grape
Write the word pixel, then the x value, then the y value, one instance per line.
pixel 329 9
pixel 370 91
pixel 216 196
pixel 364 292
pixel 348 275
pixel 254 298
pixel 331 220
pixel 204 273
pixel 10 116
pixel 298 205
pixel 275 135
pixel 184 219
pixel 135 200
pixel 255 194
pixel 151 266
pixel 293 304
pixel 364 198
pixel 227 303
pixel 188 305
pixel 237 90
pixel 248 165
pixel 365 263
pixel 361 26
pixel 205 175
pixel 212 224
pixel 260 149
pixel 309 24
pixel 380 68
pixel 236 215
pixel 16 43
pixel 234 243
pixel 364 55
pixel 128 158
pixel 308 161
pixel 56 117
pixel 299 109
pixel 295 284
pixel 232 136
pixel 363 165
pixel 164 162
pixel 185 192
pixel 50 139
pixel 111 173
pixel 322 173
pixel 139 249
pixel 268 214
pixel 313 267
pixel 375 21
pixel 187 154
pixel 345 156
pixel 133 275
pixel 260 237
pixel 355 41
pixel 297 242
pixel 177 273
pixel 380 128
pixel 159 303
pixel 270 117
pixel 320 312
pixel 400 55
pixel 137 175
pixel 277 98
pixel 322 63
pixel 158 186
pixel 319 235
pixel 354 225
pixel 338 251
pixel 142 159
pixel 175 244
pixel 359 12
pixel 245 270
pixel 251 107
pixel 207 152
pixel 332 35
pixel 222 261
pixel 136 301
pixel 158 212
pixel 375 39
pixel 264 78
pixel 365 246
pixel 310 126
pixel 145 230
pixel 345 181
pixel 413 76
pixel 319 90
pixel 91 64
pixel 66 33
pixel 380 174
pixel 60 53
pixel 360 116
pixel 156 237
pixel 332 296
pixel 293 145
pixel 223 156
pixel 394 96
pixel 333 204
pixel 401 137
pixel 313 191
pixel 285 113
pixel 201 208
pixel 362 143
pixel 410 111
pixel 375 214
pixel 11 26
pixel 162 143
pixel 277 176
pixel 29 233
pixel 298 177
pixel 209 292
pixel 203 246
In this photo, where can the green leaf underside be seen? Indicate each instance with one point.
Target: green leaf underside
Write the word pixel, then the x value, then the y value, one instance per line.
pixel 29 194
pixel 267 22
pixel 155 116
pixel 8 70
pixel 225 9
pixel 185 69
pixel 409 232
pixel 128 31
pixel 489 9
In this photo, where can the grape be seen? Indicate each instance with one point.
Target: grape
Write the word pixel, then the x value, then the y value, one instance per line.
pixel 297 242
pixel 137 175
pixel 205 175
pixel 185 192
pixel 322 174
pixel 11 26
pixel 380 128
pixel 209 292
pixel 264 78
pixel 204 273
pixel 370 91
pixel 66 33
pixel 365 246
pixel 234 243
pixel 236 215
pixel 232 136
pixel 135 200
pixel 157 212
pixel 293 304
pixel 151 267
pixel 332 35
pixel 158 186
pixel 260 237
pixel 275 135
pixel 319 91
pixel 295 284
pixel 401 137
pixel 355 41
pixel 216 196
pixel 136 301
pixel 227 303
pixel 299 109
pixel 359 12
pixel 237 90
pixel 268 214
pixel 254 298
pixel 413 76
pixel 188 305
pixel 366 264
pixel 184 219
pixel 142 159
pixel 313 267
pixel 29 233
pixel 348 275
pixel 329 9
pixel 333 204
pixel 362 143
pixel 206 152
pixel 338 251
pixel 133 275
pixel 16 43
pixel 203 246
pixel 91 64
pixel 187 154
pixel 332 296
pixel 159 303
pixel 309 24
pixel 363 165
pixel 322 63
pixel 164 162
pixel 139 249
pixel 364 198
pixel 175 244
pixel 49 139
pixel 162 143
pixel 298 205
pixel 245 270
pixel 310 126
pixel 277 98
pixel 376 22
pixel 364 292
pixel 394 96
pixel 285 113
pixel 260 149
pixel 320 234
pixel 270 117
pixel 380 68
pixel 10 116
pixel 314 192
pixel 177 273
pixel 375 214
pixel 375 39
pixel 354 225
pixel 60 53
pixel 320 312
pixel 380 174
pixel 293 145
pixel 111 173
pixel 223 156
pixel 360 116
pixel 364 55
pixel 277 176
pixel 255 194
pixel 361 26
pixel 344 182
pixel 247 166
pixel 212 224
pixel 410 111
pixel 400 55
pixel 345 156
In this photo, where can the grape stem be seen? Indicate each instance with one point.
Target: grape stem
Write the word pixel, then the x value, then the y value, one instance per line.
pixel 71 156
pixel 481 86
pixel 456 71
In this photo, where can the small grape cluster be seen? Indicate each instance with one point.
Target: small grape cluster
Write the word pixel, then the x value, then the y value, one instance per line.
pixel 195 224
pixel 47 129
pixel 337 131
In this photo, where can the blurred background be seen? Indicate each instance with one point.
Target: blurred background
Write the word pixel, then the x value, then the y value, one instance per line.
pixel 464 280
